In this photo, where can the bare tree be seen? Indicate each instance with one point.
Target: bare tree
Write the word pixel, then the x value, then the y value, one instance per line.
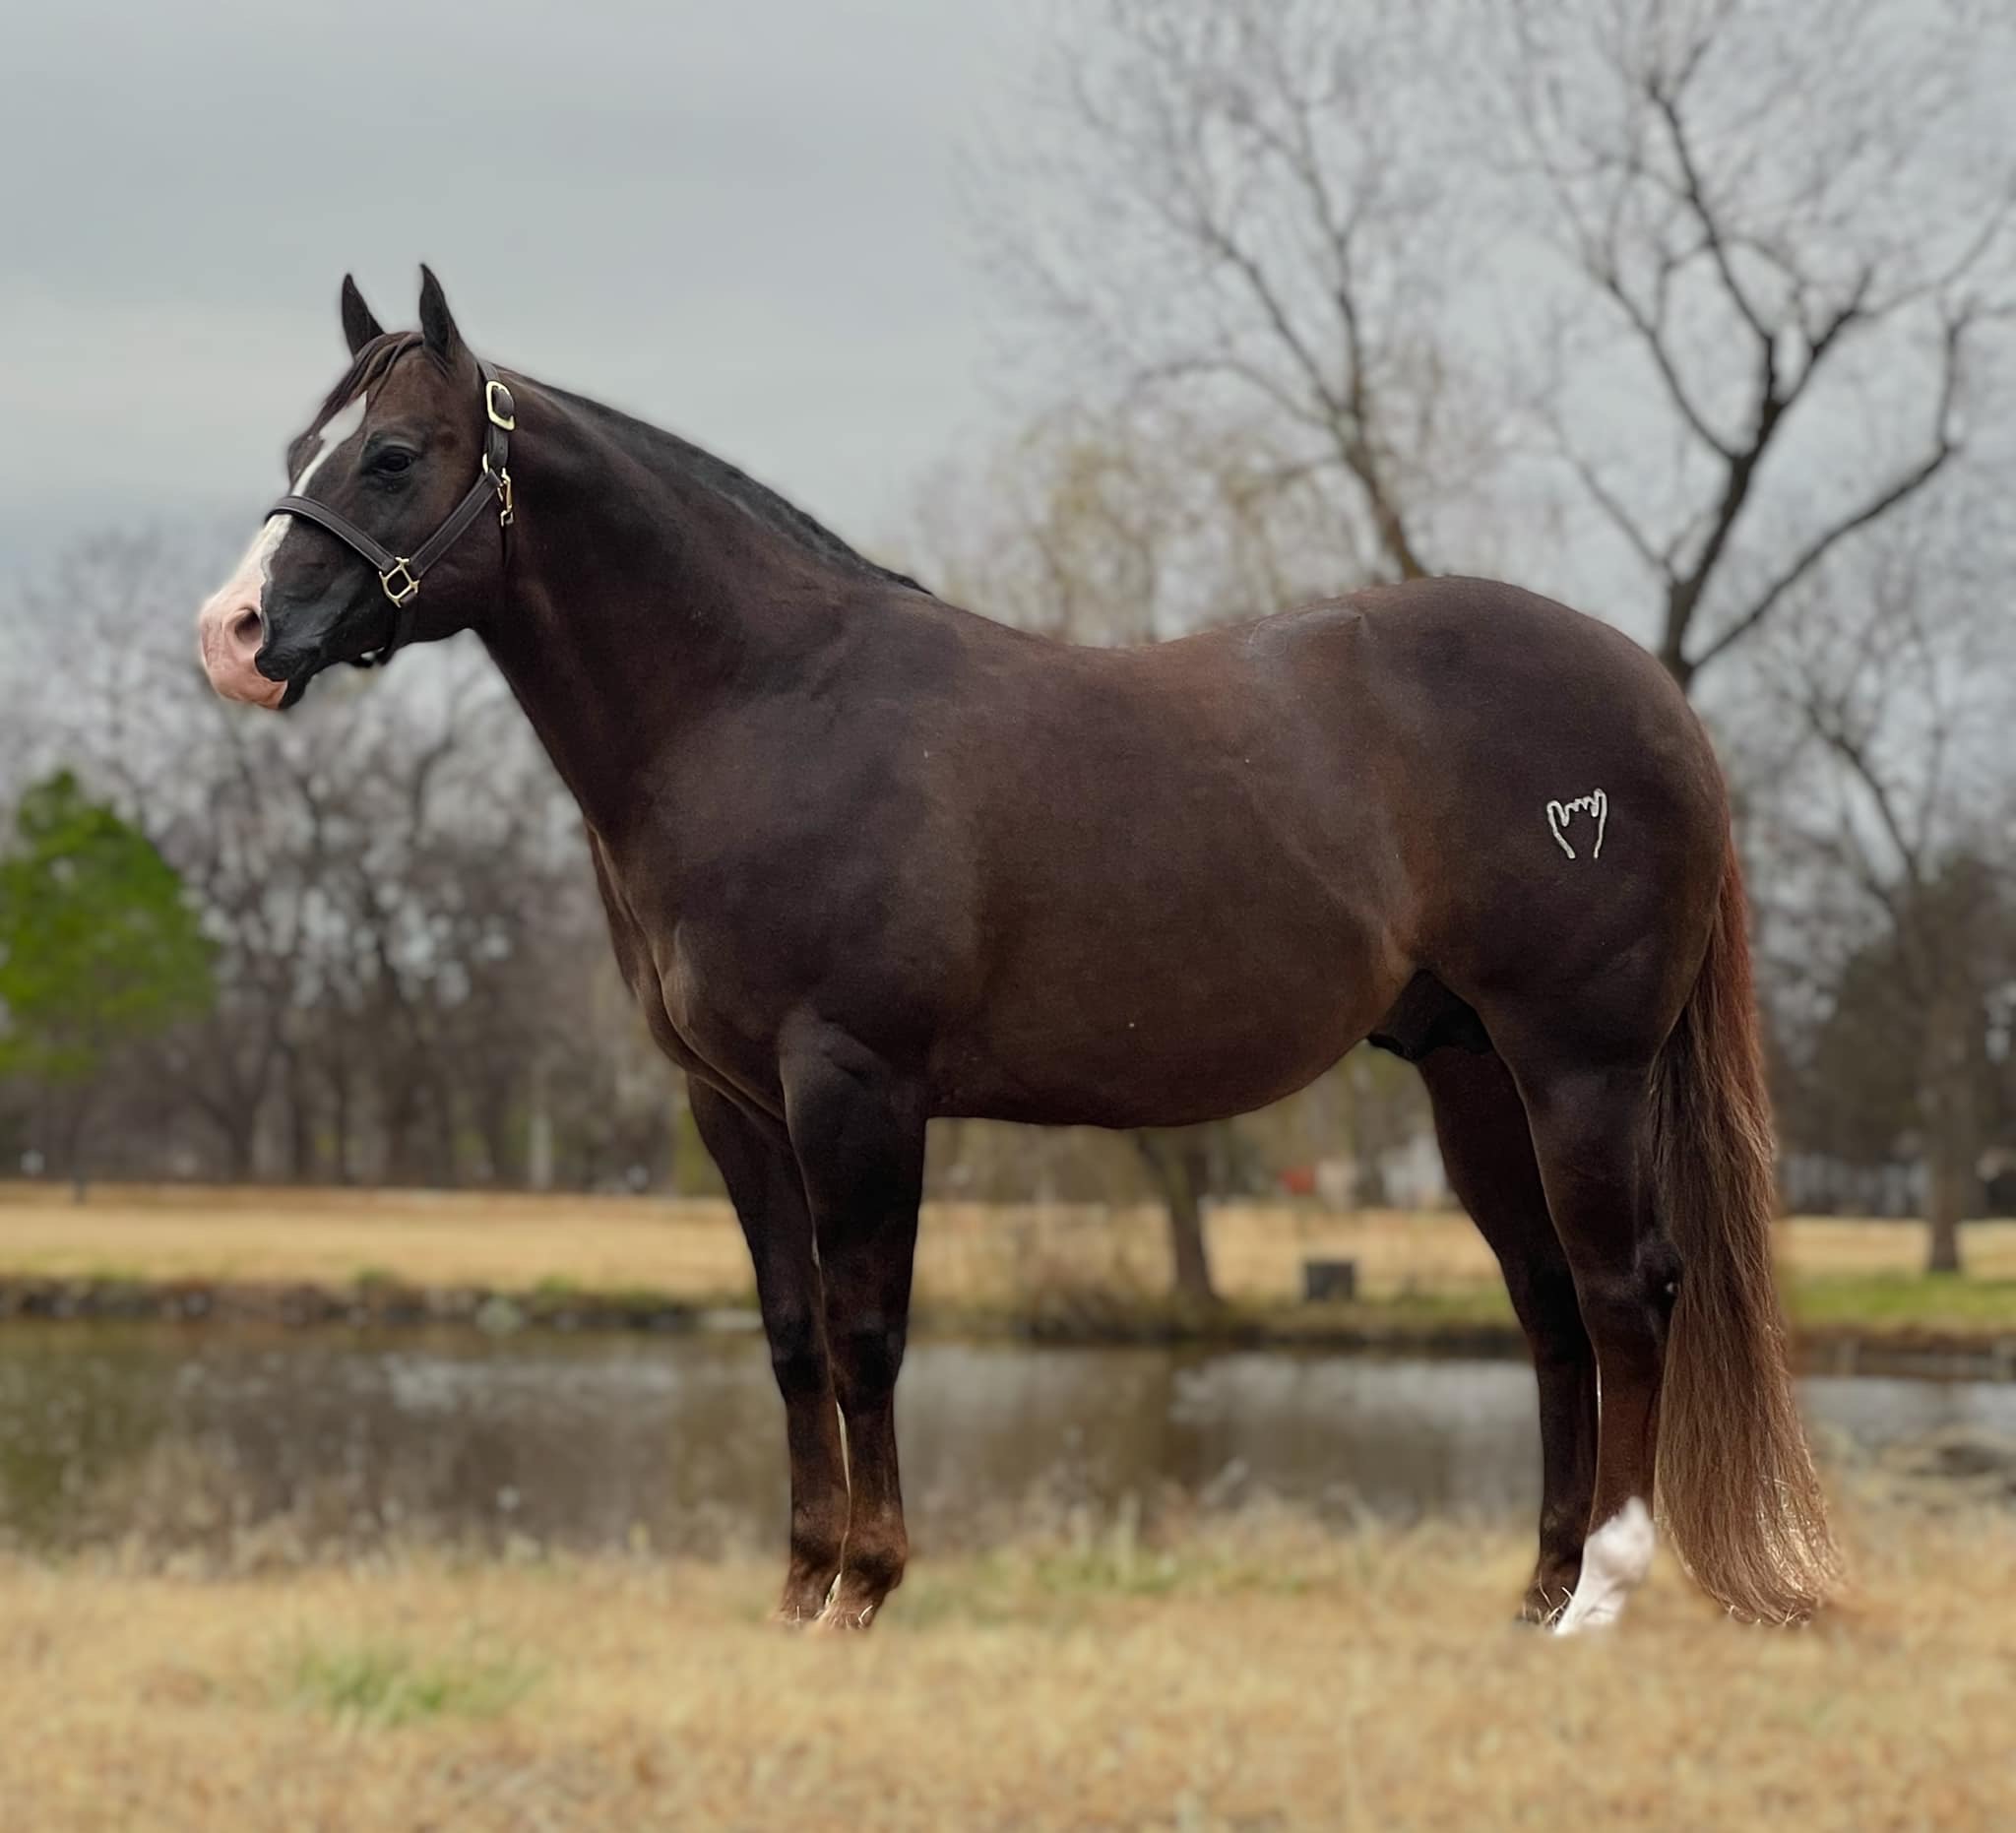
pixel 1787 230
pixel 1892 793
pixel 1109 526
pixel 1241 206
pixel 1747 265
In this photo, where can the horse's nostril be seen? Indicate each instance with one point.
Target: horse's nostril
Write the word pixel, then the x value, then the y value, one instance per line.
pixel 247 628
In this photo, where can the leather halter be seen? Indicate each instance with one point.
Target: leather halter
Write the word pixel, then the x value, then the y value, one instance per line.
pixel 401 574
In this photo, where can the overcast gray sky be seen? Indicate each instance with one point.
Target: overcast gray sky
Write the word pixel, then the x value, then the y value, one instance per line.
pixel 738 221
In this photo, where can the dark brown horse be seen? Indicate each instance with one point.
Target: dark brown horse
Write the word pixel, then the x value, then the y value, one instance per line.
pixel 869 858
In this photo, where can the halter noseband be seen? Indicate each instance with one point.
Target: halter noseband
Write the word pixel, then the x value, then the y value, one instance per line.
pixel 401 574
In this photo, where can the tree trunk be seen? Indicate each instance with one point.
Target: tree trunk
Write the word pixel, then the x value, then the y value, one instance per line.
pixel 491 1098
pixel 446 1172
pixel 538 1131
pixel 340 1124
pixel 1942 1212
pixel 401 1100
pixel 670 1137
pixel 299 1129
pixel 1179 1161
pixel 79 1150
pixel 1368 1132
pixel 1952 1126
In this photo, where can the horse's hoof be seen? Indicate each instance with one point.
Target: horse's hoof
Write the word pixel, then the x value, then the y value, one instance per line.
pixel 1547 1597
pixel 1538 1613
pixel 1614 1563
pixel 845 1617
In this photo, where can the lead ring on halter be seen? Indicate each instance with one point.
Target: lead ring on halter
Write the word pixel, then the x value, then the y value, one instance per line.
pixel 399 575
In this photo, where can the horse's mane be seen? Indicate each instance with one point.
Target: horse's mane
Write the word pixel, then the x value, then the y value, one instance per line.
pixel 653 445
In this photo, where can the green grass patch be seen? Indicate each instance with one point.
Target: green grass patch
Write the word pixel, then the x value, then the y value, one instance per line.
pixel 1473 1303
pixel 385 1683
pixel 645 1298
pixel 374 1279
pixel 1898 1301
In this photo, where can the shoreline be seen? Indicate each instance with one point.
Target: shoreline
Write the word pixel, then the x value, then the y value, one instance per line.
pixel 1366 1327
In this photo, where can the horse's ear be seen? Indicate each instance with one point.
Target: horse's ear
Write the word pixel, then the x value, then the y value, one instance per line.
pixel 437 323
pixel 359 325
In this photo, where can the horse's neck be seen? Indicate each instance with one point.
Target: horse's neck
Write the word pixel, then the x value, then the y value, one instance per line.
pixel 634 606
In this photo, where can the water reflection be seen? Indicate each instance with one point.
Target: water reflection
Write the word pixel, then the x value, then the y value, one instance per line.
pixel 190 1435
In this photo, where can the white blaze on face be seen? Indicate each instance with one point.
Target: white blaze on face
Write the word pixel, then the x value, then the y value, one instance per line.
pixel 1615 1562
pixel 230 628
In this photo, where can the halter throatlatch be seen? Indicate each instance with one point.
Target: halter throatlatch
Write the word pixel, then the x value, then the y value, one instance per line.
pixel 401 574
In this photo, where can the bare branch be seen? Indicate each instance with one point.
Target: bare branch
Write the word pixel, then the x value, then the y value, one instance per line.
pixel 1663 100
pixel 1899 490
pixel 1652 334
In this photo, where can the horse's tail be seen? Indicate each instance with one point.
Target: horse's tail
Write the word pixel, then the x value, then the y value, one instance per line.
pixel 1737 1487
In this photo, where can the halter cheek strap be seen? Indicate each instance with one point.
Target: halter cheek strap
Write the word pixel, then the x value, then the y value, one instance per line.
pixel 401 574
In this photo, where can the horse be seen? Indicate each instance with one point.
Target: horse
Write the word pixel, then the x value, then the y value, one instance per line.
pixel 869 859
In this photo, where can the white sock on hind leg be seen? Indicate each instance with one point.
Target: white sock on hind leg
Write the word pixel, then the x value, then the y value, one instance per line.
pixel 1615 1562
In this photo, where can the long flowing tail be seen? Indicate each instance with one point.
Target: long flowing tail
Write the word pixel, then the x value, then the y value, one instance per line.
pixel 1737 1487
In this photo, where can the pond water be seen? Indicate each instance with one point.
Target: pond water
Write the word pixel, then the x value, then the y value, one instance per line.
pixel 340 1438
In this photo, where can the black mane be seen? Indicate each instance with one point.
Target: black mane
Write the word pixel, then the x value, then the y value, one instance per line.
pixel 644 441
pixel 652 444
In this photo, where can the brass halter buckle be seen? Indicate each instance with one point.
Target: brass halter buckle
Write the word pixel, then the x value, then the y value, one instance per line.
pixel 500 482
pixel 401 596
pixel 508 422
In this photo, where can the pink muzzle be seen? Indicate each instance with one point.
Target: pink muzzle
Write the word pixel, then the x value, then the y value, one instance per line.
pixel 229 633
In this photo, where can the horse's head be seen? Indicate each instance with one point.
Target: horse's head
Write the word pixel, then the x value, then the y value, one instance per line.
pixel 406 449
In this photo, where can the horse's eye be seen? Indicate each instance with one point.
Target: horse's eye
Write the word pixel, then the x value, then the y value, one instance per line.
pixel 390 462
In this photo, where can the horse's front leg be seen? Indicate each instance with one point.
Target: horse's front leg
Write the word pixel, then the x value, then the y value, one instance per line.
pixel 859 1130
pixel 762 1176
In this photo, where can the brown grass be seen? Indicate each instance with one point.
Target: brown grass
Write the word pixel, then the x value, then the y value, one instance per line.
pixel 969 1254
pixel 1255 1675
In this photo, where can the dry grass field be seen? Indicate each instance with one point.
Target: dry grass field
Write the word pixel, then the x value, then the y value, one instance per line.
pixel 1251 1671
pixel 969 1256
pixel 1254 1676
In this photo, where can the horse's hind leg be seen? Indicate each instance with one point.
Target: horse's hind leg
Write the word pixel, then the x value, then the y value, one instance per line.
pixel 1591 1123
pixel 762 1176
pixel 1487 1151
